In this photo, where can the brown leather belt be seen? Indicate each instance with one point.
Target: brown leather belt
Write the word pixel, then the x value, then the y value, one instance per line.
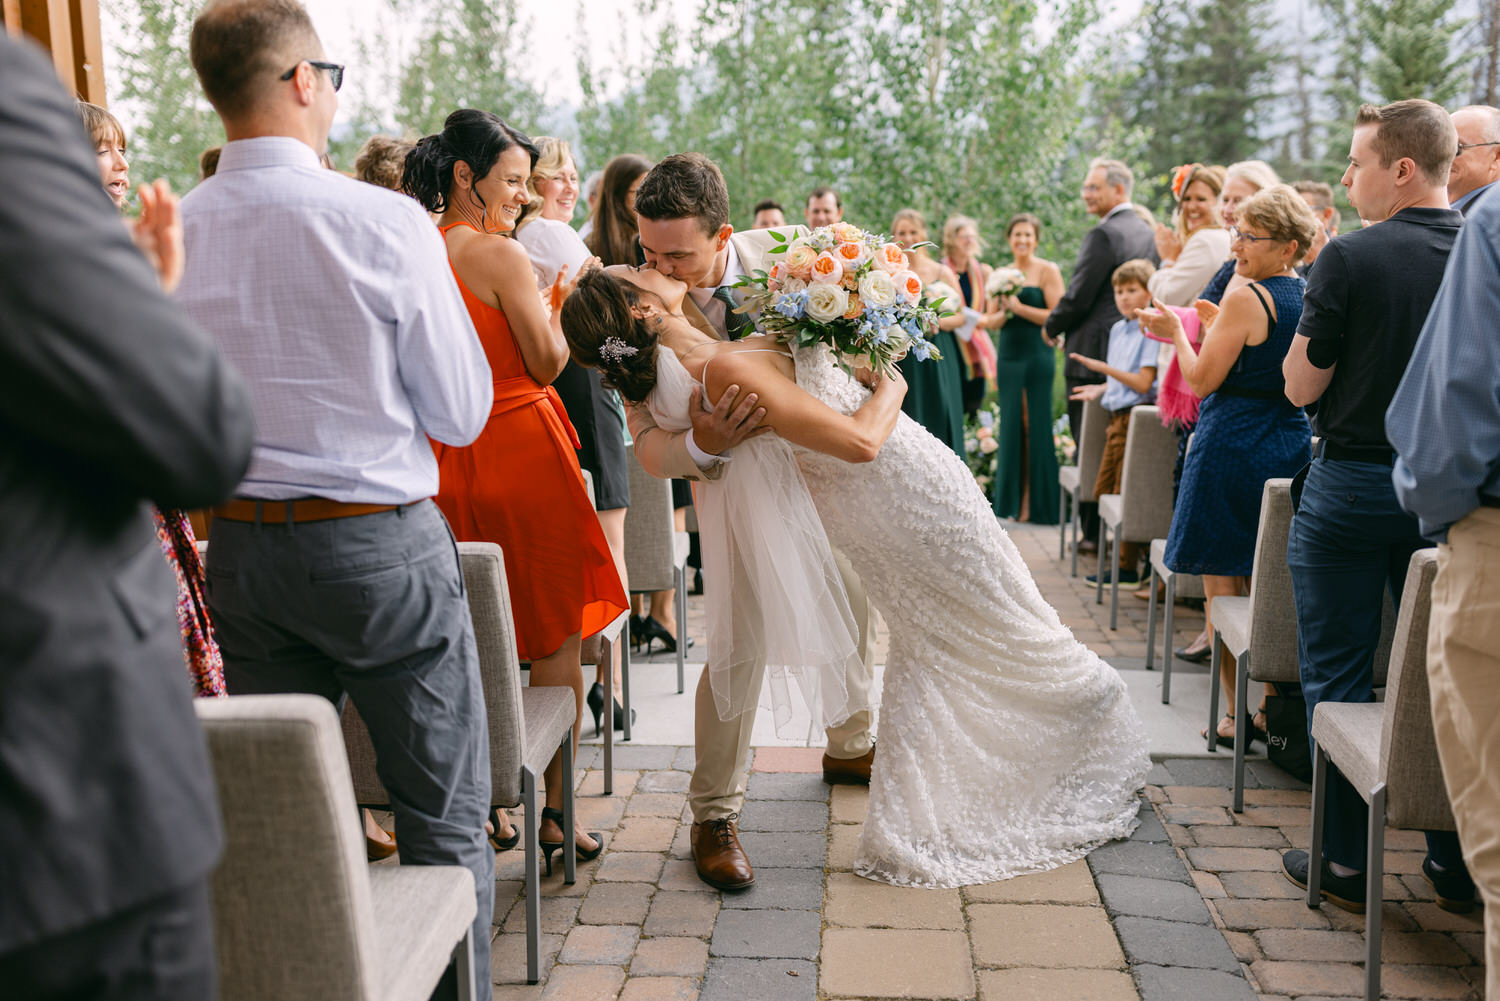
pixel 272 512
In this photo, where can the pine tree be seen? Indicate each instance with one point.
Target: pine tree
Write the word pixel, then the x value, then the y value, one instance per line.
pixel 1486 88
pixel 1414 44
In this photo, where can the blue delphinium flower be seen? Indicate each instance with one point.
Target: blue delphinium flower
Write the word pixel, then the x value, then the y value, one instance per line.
pixel 921 350
pixel 792 305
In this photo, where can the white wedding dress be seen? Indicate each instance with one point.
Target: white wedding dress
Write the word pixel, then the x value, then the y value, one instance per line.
pixel 1006 746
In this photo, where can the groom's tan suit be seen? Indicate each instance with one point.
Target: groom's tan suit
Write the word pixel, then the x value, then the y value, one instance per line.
pixel 722 746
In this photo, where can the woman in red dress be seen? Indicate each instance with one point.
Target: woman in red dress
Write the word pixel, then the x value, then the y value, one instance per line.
pixel 519 484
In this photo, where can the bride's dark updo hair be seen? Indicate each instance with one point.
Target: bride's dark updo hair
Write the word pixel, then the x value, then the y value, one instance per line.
pixel 475 137
pixel 598 310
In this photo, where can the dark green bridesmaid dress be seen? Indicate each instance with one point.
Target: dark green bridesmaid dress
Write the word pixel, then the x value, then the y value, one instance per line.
pixel 1026 457
pixel 934 393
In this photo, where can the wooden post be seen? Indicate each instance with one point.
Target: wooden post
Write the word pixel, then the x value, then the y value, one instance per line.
pixel 69 30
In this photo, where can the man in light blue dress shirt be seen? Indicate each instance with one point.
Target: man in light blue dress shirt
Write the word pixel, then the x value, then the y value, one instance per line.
pixel 332 571
pixel 1444 423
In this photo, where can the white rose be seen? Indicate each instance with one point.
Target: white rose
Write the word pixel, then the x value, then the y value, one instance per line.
pixel 792 285
pixel 877 289
pixel 826 303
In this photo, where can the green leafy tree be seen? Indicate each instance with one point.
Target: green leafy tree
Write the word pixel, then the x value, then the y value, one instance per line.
pixel 167 120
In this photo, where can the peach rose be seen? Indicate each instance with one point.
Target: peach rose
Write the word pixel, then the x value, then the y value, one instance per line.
pixel 844 232
pixel 891 259
pixel 826 269
pixel 851 281
pixel 908 287
pixel 777 274
pixel 799 261
pixel 852 255
pixel 855 306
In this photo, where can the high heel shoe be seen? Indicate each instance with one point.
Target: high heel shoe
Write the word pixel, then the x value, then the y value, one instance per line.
pixel 637 631
pixel 655 631
pixel 595 700
pixel 502 844
pixel 548 847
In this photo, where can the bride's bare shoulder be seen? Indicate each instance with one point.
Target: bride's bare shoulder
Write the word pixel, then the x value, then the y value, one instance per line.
pixel 753 369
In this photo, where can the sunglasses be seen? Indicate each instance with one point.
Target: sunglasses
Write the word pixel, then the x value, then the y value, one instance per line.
pixel 335 72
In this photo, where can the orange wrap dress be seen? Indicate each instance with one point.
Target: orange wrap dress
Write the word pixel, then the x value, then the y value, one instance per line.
pixel 519 485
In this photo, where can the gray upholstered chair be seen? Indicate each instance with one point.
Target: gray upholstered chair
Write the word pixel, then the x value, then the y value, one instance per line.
pixel 527 727
pixel 1174 585
pixel 298 913
pixel 655 557
pixel 1077 481
pixel 1388 753
pixel 1142 510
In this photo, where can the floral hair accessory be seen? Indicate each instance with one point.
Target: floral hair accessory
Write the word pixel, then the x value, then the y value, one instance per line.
pixel 613 349
pixel 1180 177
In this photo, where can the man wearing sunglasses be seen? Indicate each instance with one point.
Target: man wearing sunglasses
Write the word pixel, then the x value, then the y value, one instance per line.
pixel 332 571
pixel 1477 165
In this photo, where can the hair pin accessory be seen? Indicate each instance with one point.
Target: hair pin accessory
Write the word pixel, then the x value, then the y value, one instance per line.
pixel 613 349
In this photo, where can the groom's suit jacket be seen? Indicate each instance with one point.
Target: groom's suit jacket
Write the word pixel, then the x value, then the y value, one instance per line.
pixel 664 454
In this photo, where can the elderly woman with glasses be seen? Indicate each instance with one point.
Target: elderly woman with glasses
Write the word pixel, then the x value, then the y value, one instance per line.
pixel 1247 430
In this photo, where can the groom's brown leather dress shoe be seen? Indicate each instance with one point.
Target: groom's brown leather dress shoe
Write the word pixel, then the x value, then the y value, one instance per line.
pixel 717 853
pixel 848 771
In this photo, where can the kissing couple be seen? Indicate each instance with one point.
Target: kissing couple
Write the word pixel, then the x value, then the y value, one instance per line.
pixel 1007 746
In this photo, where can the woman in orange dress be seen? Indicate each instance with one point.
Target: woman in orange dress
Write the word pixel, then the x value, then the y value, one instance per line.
pixel 519 484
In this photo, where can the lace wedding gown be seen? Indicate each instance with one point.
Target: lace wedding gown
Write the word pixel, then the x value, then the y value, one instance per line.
pixel 1006 746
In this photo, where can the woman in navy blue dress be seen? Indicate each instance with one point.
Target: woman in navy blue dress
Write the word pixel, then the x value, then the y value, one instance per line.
pixel 1247 432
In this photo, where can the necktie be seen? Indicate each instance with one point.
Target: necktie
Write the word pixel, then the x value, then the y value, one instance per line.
pixel 734 323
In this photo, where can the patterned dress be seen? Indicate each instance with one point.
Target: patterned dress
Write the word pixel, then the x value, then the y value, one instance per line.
pixel 206 667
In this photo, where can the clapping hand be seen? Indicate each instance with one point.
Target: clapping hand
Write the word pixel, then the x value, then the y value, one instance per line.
pixel 1207 312
pixel 1160 320
pixel 1168 247
pixel 158 233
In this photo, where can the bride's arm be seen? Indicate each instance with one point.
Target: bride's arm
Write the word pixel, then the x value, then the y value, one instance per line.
pixel 803 420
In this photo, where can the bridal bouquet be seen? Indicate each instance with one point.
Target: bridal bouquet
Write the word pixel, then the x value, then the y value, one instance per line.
pixel 1004 281
pixel 851 290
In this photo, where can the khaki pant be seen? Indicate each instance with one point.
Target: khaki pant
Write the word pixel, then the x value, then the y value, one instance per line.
pixel 723 746
pixel 1463 669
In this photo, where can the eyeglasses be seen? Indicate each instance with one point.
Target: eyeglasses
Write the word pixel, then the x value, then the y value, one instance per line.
pixel 1464 146
pixel 335 71
pixel 1235 234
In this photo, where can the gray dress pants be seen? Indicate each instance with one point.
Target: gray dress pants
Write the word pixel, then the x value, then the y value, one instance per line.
pixel 373 607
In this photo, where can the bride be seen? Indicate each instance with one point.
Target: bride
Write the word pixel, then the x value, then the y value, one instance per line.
pixel 1006 746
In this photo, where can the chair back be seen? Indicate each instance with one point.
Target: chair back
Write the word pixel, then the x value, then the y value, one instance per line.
pixel 1146 482
pixel 649 544
pixel 293 917
pixel 1273 612
pixel 499 672
pixel 1091 448
pixel 1416 797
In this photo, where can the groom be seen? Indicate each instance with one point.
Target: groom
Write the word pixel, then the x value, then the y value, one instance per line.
pixel 682 208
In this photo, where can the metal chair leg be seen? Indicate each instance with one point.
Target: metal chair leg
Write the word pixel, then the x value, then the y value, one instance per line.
pixel 1374 892
pixel 682 632
pixel 609 710
pixel 1114 576
pixel 1241 727
pixel 1151 618
pixel 533 877
pixel 1099 573
pixel 463 963
pixel 1166 641
pixel 1213 694
pixel 570 836
pixel 1062 523
pixel 625 690
pixel 1077 520
pixel 1315 842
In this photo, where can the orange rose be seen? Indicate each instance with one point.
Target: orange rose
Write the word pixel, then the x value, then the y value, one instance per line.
pixel 826 268
pixel 908 286
pixel 891 258
pixel 850 281
pixel 799 261
pixel 851 255
pixel 845 232
pixel 855 306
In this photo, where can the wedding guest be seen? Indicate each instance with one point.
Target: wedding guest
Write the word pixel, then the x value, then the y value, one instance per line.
pixel 595 412
pixel 1477 166
pixel 563 582
pixel 107 136
pixel 1247 431
pixel 1086 312
pixel 1026 485
pixel 962 246
pixel 208 162
pixel 933 395
pixel 824 207
pixel 613 239
pixel 113 403
pixel 1130 375
pixel 1350 542
pixel 1451 484
pixel 381 161
pixel 331 299
pixel 1241 181
pixel 1194 247
pixel 1319 198
pixel 768 213
pixel 591 197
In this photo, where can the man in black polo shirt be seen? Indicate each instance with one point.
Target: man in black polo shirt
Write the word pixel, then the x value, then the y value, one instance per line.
pixel 1350 541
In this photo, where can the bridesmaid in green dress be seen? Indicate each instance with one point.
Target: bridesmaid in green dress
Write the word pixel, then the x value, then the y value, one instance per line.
pixel 1026 464
pixel 934 393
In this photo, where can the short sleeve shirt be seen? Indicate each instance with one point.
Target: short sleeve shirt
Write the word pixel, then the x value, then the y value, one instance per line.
pixel 1367 297
pixel 1130 351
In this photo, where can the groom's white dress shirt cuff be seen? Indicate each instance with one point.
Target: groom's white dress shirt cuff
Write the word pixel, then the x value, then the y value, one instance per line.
pixel 704 460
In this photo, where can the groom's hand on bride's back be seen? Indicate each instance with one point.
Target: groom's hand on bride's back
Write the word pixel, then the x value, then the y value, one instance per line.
pixel 730 422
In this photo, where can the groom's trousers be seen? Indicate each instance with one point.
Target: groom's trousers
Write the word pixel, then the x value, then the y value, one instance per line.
pixel 723 746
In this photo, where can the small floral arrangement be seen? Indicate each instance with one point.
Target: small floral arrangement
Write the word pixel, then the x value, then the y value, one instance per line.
pixel 1004 281
pixel 1062 440
pixel 852 290
pixel 980 444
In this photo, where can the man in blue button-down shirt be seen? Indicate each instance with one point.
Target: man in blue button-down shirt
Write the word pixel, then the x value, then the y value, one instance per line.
pixel 1444 423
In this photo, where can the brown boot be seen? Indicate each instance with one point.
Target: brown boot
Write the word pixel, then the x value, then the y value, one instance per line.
pixel 848 771
pixel 717 853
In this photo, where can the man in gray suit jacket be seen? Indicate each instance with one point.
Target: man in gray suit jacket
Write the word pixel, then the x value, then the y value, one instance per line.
pixel 1087 309
pixel 110 399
